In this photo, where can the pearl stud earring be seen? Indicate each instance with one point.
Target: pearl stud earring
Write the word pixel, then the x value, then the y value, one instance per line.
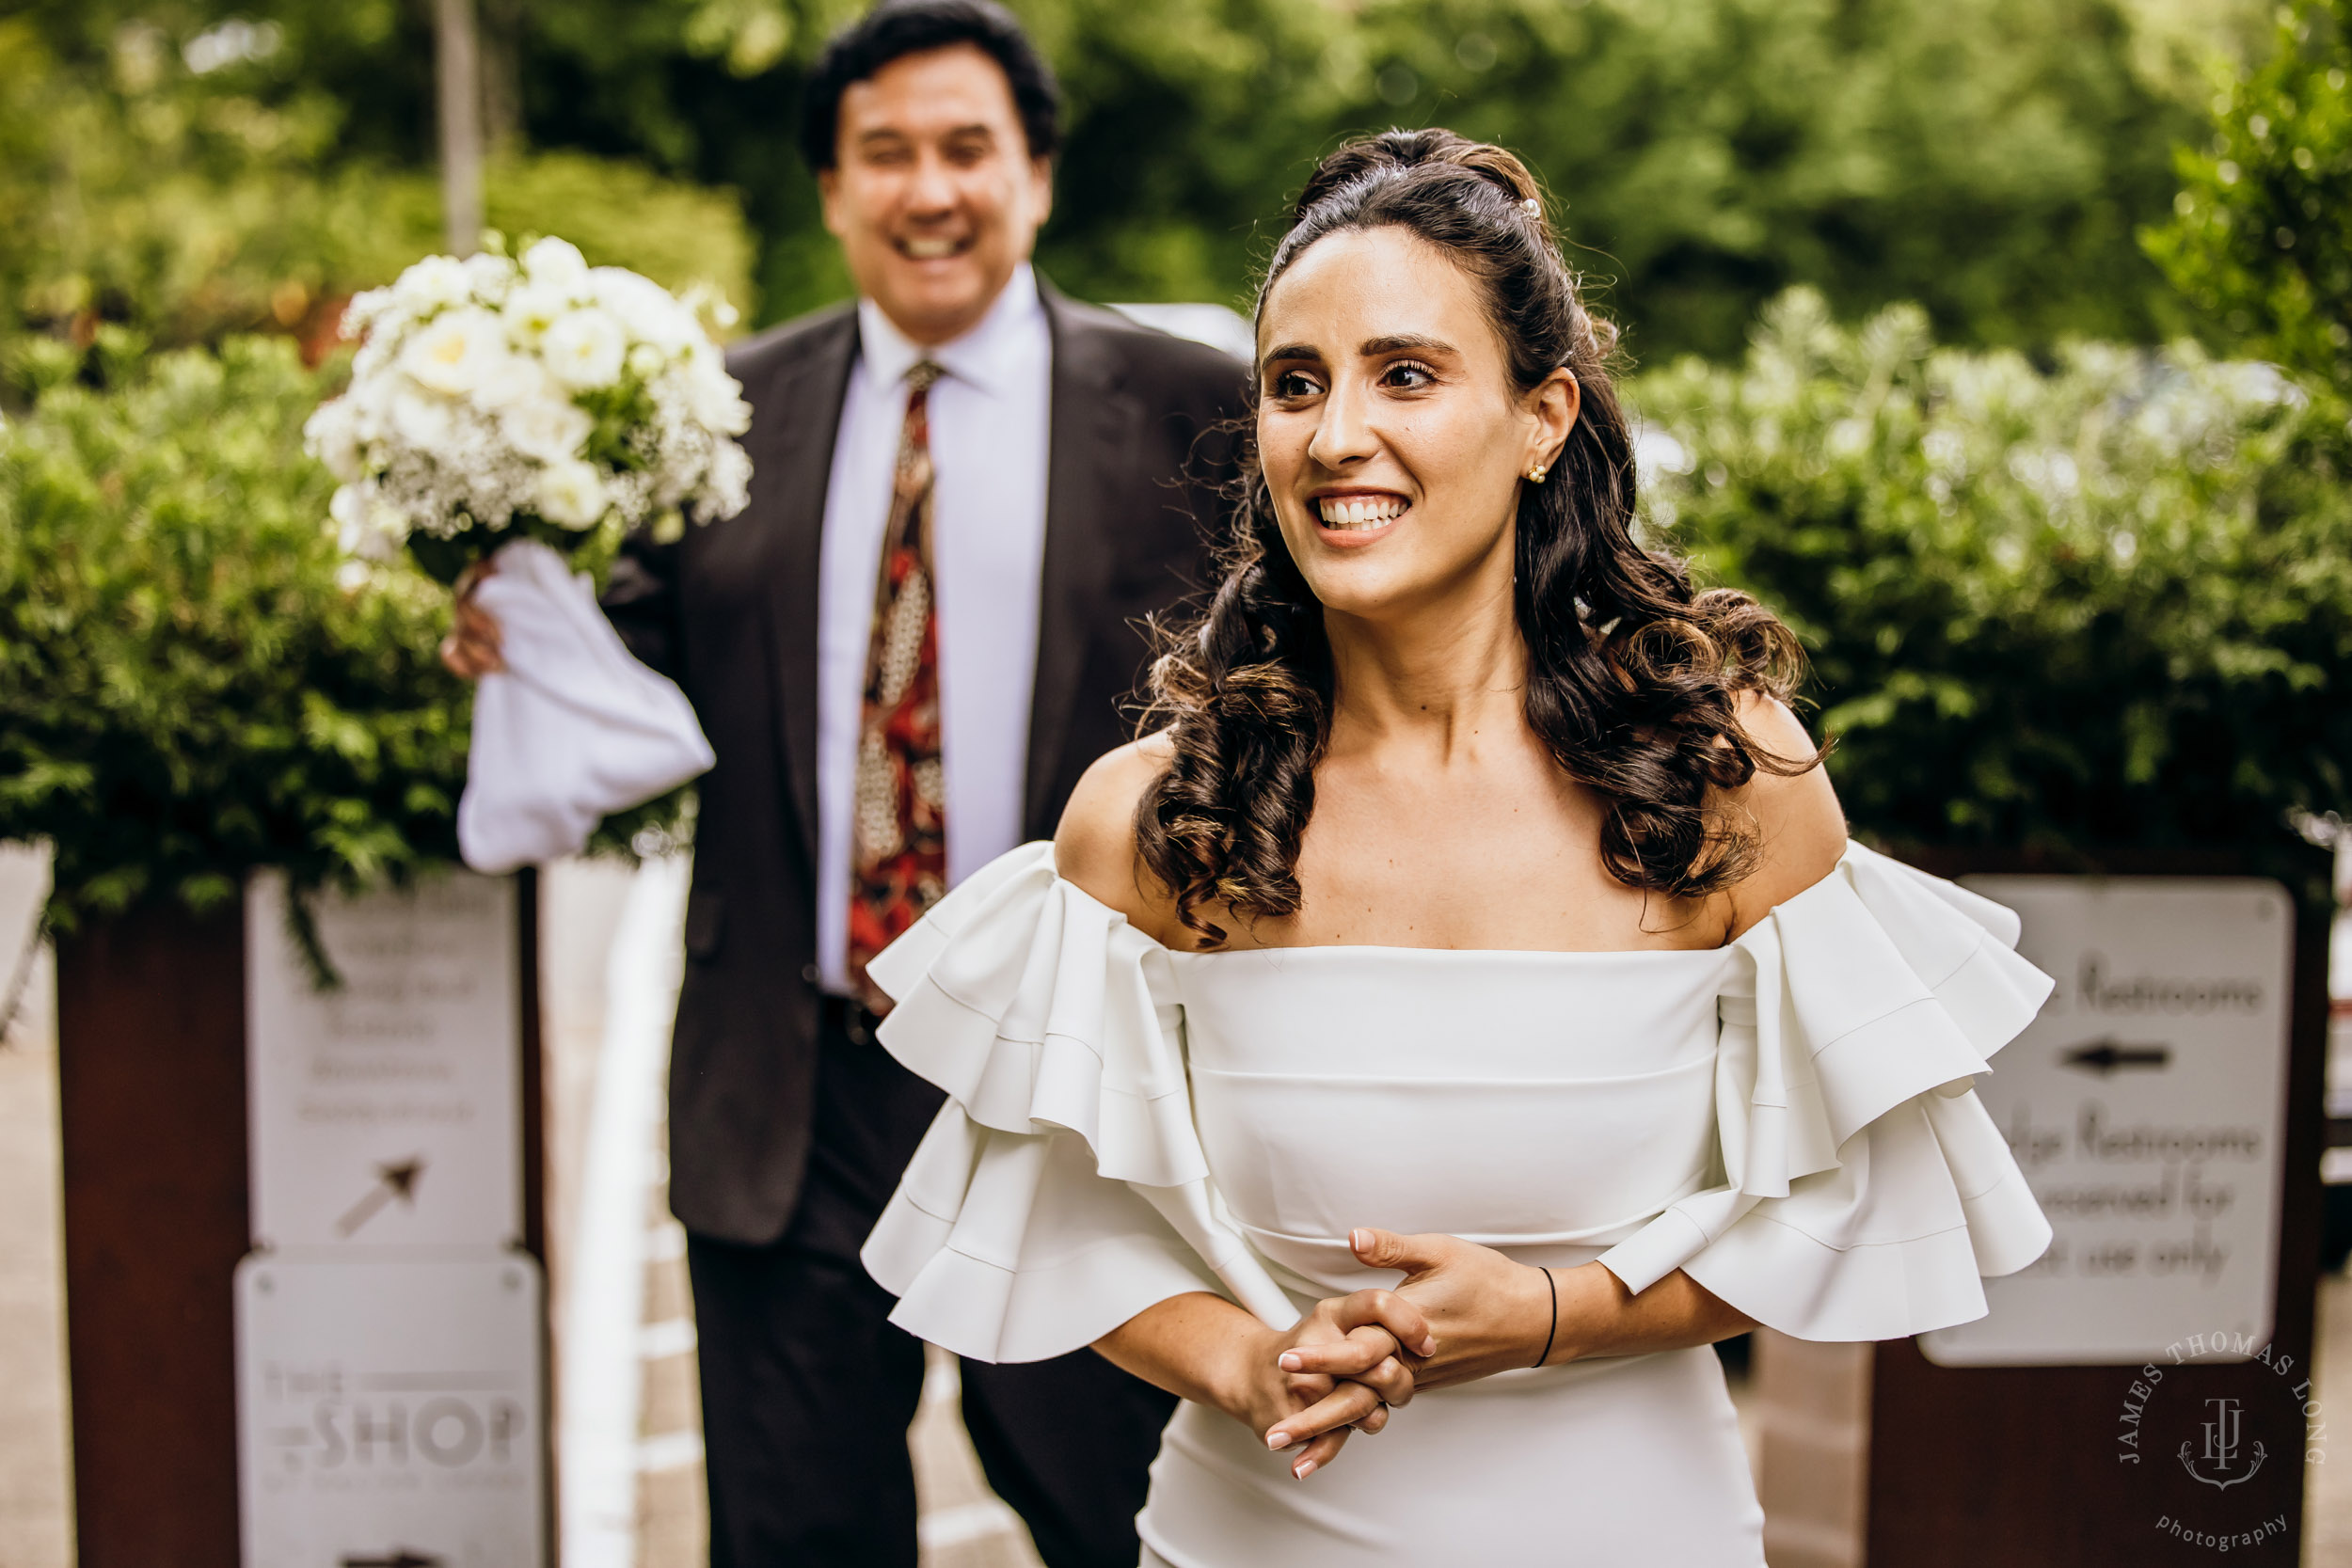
pixel 1536 474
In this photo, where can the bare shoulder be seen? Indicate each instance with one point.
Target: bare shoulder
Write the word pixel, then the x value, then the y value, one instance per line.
pixel 1094 845
pixel 1800 826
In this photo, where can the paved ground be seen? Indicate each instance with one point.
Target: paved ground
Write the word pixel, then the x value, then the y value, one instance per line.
pixel 2328 1522
pixel 963 1527
pixel 35 1507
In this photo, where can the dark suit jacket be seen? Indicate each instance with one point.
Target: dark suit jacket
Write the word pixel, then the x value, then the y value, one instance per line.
pixel 729 613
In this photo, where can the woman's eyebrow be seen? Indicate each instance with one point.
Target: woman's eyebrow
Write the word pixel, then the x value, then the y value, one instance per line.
pixel 1291 351
pixel 1405 341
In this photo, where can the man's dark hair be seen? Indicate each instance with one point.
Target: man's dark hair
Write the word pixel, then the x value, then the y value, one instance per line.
pixel 902 27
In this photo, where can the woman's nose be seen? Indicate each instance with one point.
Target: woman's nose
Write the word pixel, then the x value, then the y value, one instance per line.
pixel 1345 434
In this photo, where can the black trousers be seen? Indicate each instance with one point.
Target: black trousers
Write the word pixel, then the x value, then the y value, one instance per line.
pixel 807 1389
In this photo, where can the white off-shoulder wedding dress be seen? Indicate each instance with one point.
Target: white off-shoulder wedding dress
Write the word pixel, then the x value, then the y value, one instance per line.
pixel 1789 1119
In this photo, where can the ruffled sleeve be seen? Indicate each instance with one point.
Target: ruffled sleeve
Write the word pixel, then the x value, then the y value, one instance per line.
pixel 1062 1189
pixel 1865 1190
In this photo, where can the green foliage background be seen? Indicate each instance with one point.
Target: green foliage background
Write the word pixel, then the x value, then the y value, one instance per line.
pixel 2061 587
pixel 134 191
pixel 2261 237
pixel 1990 159
pixel 193 680
pixel 2108 604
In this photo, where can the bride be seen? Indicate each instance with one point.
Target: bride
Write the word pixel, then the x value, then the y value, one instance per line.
pixel 1467 1006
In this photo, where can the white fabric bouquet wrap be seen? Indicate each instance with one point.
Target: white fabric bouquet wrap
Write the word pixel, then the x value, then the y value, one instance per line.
pixel 572 729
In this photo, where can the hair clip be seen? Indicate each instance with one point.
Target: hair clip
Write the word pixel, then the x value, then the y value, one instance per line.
pixel 1532 207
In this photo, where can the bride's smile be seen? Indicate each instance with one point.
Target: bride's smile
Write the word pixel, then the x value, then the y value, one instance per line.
pixel 1359 512
pixel 1390 433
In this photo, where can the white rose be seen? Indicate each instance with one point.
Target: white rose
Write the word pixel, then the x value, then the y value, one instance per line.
pixel 489 275
pixel 420 420
pixel 646 360
pixel 557 263
pixel 517 380
pixel 433 284
pixel 548 429
pixel 571 495
pixel 718 407
pixel 455 352
pixel 644 308
pixel 534 308
pixel 364 526
pixel 584 349
pixel 714 397
pixel 331 434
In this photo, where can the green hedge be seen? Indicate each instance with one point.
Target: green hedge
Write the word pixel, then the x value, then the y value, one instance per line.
pixel 2108 603
pixel 2101 604
pixel 193 680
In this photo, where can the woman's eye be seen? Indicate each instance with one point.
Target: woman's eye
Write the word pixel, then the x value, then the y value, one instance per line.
pixel 1295 383
pixel 1408 373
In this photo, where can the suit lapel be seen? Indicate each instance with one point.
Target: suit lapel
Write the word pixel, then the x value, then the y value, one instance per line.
pixel 1093 436
pixel 797 416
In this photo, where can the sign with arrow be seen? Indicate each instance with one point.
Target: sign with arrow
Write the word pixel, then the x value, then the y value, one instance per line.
pixel 395 1181
pixel 412 1064
pixel 2102 1056
pixel 2145 1106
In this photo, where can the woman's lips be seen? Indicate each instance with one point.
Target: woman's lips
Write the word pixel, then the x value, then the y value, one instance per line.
pixel 1351 520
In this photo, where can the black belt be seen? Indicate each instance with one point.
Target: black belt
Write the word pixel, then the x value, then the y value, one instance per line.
pixel 849 1017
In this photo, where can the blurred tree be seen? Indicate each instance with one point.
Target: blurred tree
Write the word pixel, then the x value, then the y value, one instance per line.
pixel 2260 236
pixel 126 194
pixel 194 185
pixel 1989 158
pixel 2106 604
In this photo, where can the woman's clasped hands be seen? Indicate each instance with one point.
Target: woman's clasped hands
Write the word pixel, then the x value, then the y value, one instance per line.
pixel 1462 1311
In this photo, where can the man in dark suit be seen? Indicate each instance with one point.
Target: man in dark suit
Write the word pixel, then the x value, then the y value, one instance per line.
pixel 967 490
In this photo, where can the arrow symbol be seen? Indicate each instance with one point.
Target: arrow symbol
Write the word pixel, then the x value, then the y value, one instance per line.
pixel 397 1180
pixel 402 1557
pixel 2103 1056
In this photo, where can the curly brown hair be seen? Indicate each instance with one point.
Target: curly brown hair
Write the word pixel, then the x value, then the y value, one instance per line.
pixel 1632 676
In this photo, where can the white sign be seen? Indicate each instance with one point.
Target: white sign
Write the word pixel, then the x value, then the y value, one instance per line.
pixel 2146 1106
pixel 389 1412
pixel 385 1112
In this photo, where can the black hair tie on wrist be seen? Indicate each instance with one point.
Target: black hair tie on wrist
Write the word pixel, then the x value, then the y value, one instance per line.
pixel 1554 1289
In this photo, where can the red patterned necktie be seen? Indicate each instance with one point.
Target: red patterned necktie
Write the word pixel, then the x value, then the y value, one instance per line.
pixel 899 833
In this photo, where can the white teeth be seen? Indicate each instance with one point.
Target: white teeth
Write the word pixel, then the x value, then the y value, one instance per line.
pixel 1359 516
pixel 930 250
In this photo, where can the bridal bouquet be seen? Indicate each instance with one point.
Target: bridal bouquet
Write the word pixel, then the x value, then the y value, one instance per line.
pixel 493 399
